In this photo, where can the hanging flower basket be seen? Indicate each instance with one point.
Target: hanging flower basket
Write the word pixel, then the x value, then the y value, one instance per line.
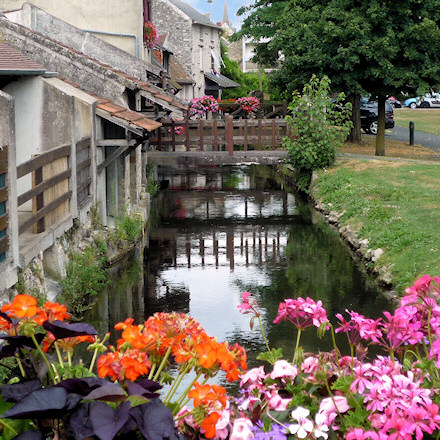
pixel 150 34
pixel 249 104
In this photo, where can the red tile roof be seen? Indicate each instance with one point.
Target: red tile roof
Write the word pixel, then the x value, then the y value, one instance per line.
pixel 13 62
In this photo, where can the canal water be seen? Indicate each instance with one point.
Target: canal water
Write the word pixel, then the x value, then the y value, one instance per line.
pixel 218 232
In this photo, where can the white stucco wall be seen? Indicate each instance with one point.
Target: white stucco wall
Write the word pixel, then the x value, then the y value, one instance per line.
pixel 113 16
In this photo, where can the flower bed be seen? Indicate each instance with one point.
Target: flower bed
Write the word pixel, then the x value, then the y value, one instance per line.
pixel 328 395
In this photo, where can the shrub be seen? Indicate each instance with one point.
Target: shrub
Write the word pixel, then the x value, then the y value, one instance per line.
pixel 319 126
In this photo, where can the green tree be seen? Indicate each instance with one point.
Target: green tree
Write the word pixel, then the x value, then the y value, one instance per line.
pixel 379 47
pixel 248 81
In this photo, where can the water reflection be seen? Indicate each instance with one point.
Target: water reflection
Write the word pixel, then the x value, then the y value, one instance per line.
pixel 232 230
pixel 222 231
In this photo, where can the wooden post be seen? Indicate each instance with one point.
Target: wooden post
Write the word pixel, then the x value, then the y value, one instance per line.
pixel 214 136
pixel 260 129
pixel 173 135
pixel 201 135
pixel 187 135
pixel 159 139
pixel 245 135
pixel 38 201
pixel 273 134
pixel 229 134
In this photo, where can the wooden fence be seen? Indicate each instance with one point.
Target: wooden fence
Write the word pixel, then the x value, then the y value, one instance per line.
pixel 218 135
pixel 50 193
pixel 4 238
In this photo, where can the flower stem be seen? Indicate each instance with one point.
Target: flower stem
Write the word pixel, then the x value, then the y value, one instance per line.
pixel 162 364
pixel 37 346
pixel 60 357
pixel 7 425
pixel 92 362
pixel 298 337
pixel 20 366
pixel 177 382
pixel 263 333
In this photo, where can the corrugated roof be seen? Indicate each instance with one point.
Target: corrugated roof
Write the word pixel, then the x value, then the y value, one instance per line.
pixel 13 62
pixel 193 14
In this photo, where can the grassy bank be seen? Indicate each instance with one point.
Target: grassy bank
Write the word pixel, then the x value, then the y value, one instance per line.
pixel 427 120
pixel 393 203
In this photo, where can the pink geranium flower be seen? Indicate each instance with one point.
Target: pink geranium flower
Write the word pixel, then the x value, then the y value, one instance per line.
pixel 282 369
pixel 241 429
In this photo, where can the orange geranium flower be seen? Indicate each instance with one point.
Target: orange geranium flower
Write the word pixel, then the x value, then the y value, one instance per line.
pixel 23 306
pixel 134 364
pixel 207 352
pixel 208 424
pixel 109 365
pixel 201 394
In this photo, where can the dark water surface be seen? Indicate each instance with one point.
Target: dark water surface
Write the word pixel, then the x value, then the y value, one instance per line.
pixel 222 231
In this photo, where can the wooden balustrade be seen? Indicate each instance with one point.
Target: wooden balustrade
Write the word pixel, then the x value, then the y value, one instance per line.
pixel 218 134
pixel 4 237
pixel 50 193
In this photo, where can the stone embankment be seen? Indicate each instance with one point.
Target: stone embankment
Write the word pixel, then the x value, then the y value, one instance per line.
pixel 359 246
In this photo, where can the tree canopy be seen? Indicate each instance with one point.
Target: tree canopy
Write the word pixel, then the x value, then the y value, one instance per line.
pixel 381 47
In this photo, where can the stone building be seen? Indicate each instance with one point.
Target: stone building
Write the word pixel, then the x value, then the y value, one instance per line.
pixel 195 41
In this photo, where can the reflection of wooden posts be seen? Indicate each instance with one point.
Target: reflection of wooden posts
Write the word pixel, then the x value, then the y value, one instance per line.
pixel 285 203
pixel 202 250
pixel 260 252
pixel 247 253
pixel 253 240
pixel 175 253
pixel 245 207
pixel 188 254
pixel 230 249
pixel 274 247
pixel 278 242
pixel 215 244
pixel 265 242
pixel 241 242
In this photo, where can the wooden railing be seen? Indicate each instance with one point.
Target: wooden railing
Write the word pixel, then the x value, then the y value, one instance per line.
pixel 50 193
pixel 218 135
pixel 4 237
pixel 267 110
pixel 83 174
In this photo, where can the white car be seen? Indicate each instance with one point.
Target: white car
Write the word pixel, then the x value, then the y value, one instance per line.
pixel 429 100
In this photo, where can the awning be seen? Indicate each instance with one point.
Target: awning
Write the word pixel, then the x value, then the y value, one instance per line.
pixel 222 81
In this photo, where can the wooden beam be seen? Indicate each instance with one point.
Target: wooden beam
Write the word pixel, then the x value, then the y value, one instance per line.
pixel 44 211
pixel 42 159
pixel 111 158
pixel 40 188
pixel 4 244
pixel 115 142
pixel 82 144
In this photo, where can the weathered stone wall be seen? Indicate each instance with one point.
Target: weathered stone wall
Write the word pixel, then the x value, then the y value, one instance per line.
pixel 115 16
pixel 65 32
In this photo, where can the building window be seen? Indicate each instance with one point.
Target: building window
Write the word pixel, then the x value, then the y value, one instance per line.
pixel 201 32
pixel 147 11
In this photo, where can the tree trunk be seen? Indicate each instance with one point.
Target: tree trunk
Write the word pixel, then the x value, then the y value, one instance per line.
pixel 355 133
pixel 380 138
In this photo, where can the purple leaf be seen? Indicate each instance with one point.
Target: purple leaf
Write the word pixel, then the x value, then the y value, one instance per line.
pixel 62 330
pixel 110 392
pixel 80 424
pixel 106 422
pixel 136 389
pixel 40 404
pixel 15 392
pixel 7 350
pixel 29 435
pixel 22 341
pixel 154 419
pixel 82 386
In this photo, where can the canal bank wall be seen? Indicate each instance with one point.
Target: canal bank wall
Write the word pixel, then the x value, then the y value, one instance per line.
pixel 359 246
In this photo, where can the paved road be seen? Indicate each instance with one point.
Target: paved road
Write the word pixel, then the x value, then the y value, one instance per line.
pixel 424 139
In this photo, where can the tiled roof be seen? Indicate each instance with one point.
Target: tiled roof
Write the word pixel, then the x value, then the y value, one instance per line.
pixel 126 115
pixel 178 73
pixel 193 14
pixel 13 62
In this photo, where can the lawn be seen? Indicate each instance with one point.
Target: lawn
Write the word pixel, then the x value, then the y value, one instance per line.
pixel 395 204
pixel 427 120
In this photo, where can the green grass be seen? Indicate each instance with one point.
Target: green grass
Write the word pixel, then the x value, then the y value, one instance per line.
pixel 427 120
pixel 396 205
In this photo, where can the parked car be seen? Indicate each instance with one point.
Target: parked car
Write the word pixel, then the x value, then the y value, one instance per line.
pixel 369 116
pixel 410 102
pixel 394 102
pixel 429 100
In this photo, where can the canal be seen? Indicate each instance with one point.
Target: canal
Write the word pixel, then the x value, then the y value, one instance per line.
pixel 217 232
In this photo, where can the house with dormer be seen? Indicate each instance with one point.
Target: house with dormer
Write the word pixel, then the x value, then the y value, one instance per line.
pixel 195 41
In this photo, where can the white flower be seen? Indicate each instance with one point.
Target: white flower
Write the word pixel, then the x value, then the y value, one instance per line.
pixel 321 427
pixel 304 425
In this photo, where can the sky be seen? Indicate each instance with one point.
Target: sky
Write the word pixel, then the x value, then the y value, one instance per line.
pixel 217 9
